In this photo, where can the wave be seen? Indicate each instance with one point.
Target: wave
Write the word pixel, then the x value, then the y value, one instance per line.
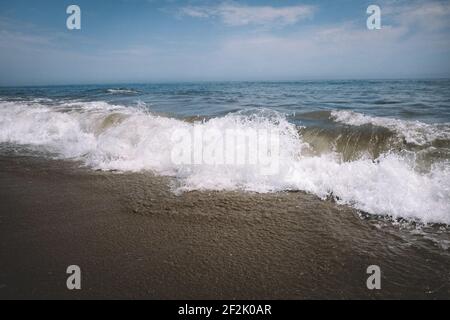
pixel 414 132
pixel 352 143
pixel 121 91
pixel 109 137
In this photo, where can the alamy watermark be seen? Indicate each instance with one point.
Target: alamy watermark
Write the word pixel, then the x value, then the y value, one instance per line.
pixel 73 21
pixel 237 147
pixel 74 280
pixel 374 20
pixel 374 280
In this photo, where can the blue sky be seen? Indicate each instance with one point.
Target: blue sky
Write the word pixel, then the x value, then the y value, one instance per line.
pixel 173 40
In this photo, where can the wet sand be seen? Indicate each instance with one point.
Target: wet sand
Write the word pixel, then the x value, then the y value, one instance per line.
pixel 134 238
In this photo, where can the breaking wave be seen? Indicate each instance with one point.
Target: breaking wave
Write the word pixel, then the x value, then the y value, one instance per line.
pixel 414 132
pixel 109 137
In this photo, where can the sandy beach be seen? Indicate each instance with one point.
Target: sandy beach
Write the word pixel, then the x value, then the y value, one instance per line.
pixel 134 238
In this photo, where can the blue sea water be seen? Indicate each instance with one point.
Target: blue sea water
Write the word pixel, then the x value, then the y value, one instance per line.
pixel 423 100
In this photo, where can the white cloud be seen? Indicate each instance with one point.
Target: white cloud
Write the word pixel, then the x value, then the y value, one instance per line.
pixel 239 15
pixel 413 42
pixel 427 16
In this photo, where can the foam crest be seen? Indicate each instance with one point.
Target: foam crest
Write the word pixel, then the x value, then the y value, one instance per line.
pixel 414 132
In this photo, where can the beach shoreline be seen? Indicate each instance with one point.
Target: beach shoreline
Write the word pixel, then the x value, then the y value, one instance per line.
pixel 133 237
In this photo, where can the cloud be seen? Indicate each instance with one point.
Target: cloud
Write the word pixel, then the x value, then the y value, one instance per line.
pixel 427 16
pixel 239 15
pixel 413 42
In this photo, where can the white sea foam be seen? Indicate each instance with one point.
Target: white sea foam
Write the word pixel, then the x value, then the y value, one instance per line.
pixel 414 132
pixel 121 91
pixel 113 137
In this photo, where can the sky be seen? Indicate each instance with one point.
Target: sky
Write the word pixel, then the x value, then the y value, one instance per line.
pixel 136 41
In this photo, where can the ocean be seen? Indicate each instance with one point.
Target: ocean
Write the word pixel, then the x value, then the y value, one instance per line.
pixel 363 176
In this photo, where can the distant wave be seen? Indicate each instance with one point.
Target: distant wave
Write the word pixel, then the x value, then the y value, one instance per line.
pixel 122 91
pixel 414 132
pixel 106 137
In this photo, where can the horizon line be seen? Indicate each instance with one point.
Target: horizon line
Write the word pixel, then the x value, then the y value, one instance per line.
pixel 217 81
